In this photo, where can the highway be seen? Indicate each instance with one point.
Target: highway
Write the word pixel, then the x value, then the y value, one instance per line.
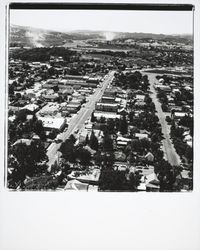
pixel 167 146
pixel 78 120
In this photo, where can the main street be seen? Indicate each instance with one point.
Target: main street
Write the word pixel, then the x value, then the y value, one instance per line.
pixel 167 146
pixel 78 120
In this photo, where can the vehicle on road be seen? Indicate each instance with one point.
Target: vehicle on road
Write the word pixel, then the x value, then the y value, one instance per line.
pixel 58 140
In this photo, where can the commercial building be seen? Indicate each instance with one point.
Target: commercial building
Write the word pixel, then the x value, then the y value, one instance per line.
pixel 73 107
pixel 108 107
pixel 50 123
pixel 106 115
pixel 108 99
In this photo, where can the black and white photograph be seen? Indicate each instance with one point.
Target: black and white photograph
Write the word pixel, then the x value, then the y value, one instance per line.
pixel 97 104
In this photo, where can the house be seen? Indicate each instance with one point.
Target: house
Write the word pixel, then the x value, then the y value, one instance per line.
pixel 31 108
pixel 66 90
pixel 79 186
pixel 76 185
pixel 49 109
pixel 141 136
pixel 90 177
pixel 163 88
pixel 92 80
pixel 152 182
pixel 140 104
pixel 140 97
pixel 73 77
pixel 187 138
pixel 109 92
pixel 121 144
pixel 149 157
pixel 178 115
pixel 120 156
pixel 24 141
pixel 121 138
pixel 50 97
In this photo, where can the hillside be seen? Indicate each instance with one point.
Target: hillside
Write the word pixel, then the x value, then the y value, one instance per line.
pixel 32 37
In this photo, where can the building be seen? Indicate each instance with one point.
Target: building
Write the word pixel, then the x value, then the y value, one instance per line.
pixel 106 115
pixel 73 107
pixel 32 108
pixel 108 107
pixel 91 177
pixel 152 183
pixel 141 136
pixel 163 88
pixel 108 99
pixel 50 123
pixel 49 109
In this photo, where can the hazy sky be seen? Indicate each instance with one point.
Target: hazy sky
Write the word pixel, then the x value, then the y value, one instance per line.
pixel 165 22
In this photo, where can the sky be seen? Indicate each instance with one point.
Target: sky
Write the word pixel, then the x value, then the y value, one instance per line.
pixel 158 22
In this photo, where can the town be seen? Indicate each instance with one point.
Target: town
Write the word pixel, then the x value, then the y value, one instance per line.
pixel 101 114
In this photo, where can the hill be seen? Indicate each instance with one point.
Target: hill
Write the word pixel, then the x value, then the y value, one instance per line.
pixel 33 37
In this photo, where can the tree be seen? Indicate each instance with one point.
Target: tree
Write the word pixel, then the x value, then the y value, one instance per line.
pixel 86 140
pixel 148 99
pixel 107 142
pixel 93 119
pixel 28 158
pixel 123 126
pixel 72 139
pixel 187 121
pixel 189 153
pixel 164 107
pixel 68 151
pixel 84 156
pixel 131 115
pixel 11 90
pixel 134 181
pixel 56 88
pixel 39 129
pixel 21 116
pixel 110 126
pixel 93 143
pixel 52 134
pixel 112 180
pixel 102 119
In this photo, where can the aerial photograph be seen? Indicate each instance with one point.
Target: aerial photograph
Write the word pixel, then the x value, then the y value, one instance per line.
pixel 99 100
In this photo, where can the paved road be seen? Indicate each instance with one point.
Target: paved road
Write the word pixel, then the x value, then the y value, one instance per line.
pixel 167 146
pixel 77 122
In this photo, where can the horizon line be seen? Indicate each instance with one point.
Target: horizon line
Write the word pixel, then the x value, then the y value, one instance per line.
pixel 114 31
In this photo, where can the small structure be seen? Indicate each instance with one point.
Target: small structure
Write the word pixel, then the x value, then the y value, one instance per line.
pixel 149 157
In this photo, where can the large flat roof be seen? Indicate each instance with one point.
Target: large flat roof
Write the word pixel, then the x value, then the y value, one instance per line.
pixel 106 115
pixel 51 123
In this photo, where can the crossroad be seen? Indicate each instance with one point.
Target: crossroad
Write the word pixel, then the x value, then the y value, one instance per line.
pixel 77 122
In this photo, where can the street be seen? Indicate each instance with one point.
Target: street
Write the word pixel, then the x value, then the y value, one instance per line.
pixel 167 146
pixel 77 122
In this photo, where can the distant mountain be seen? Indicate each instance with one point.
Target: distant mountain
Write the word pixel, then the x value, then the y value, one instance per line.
pixel 136 35
pixel 34 37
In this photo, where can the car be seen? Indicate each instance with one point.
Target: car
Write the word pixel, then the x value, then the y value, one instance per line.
pixel 58 140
